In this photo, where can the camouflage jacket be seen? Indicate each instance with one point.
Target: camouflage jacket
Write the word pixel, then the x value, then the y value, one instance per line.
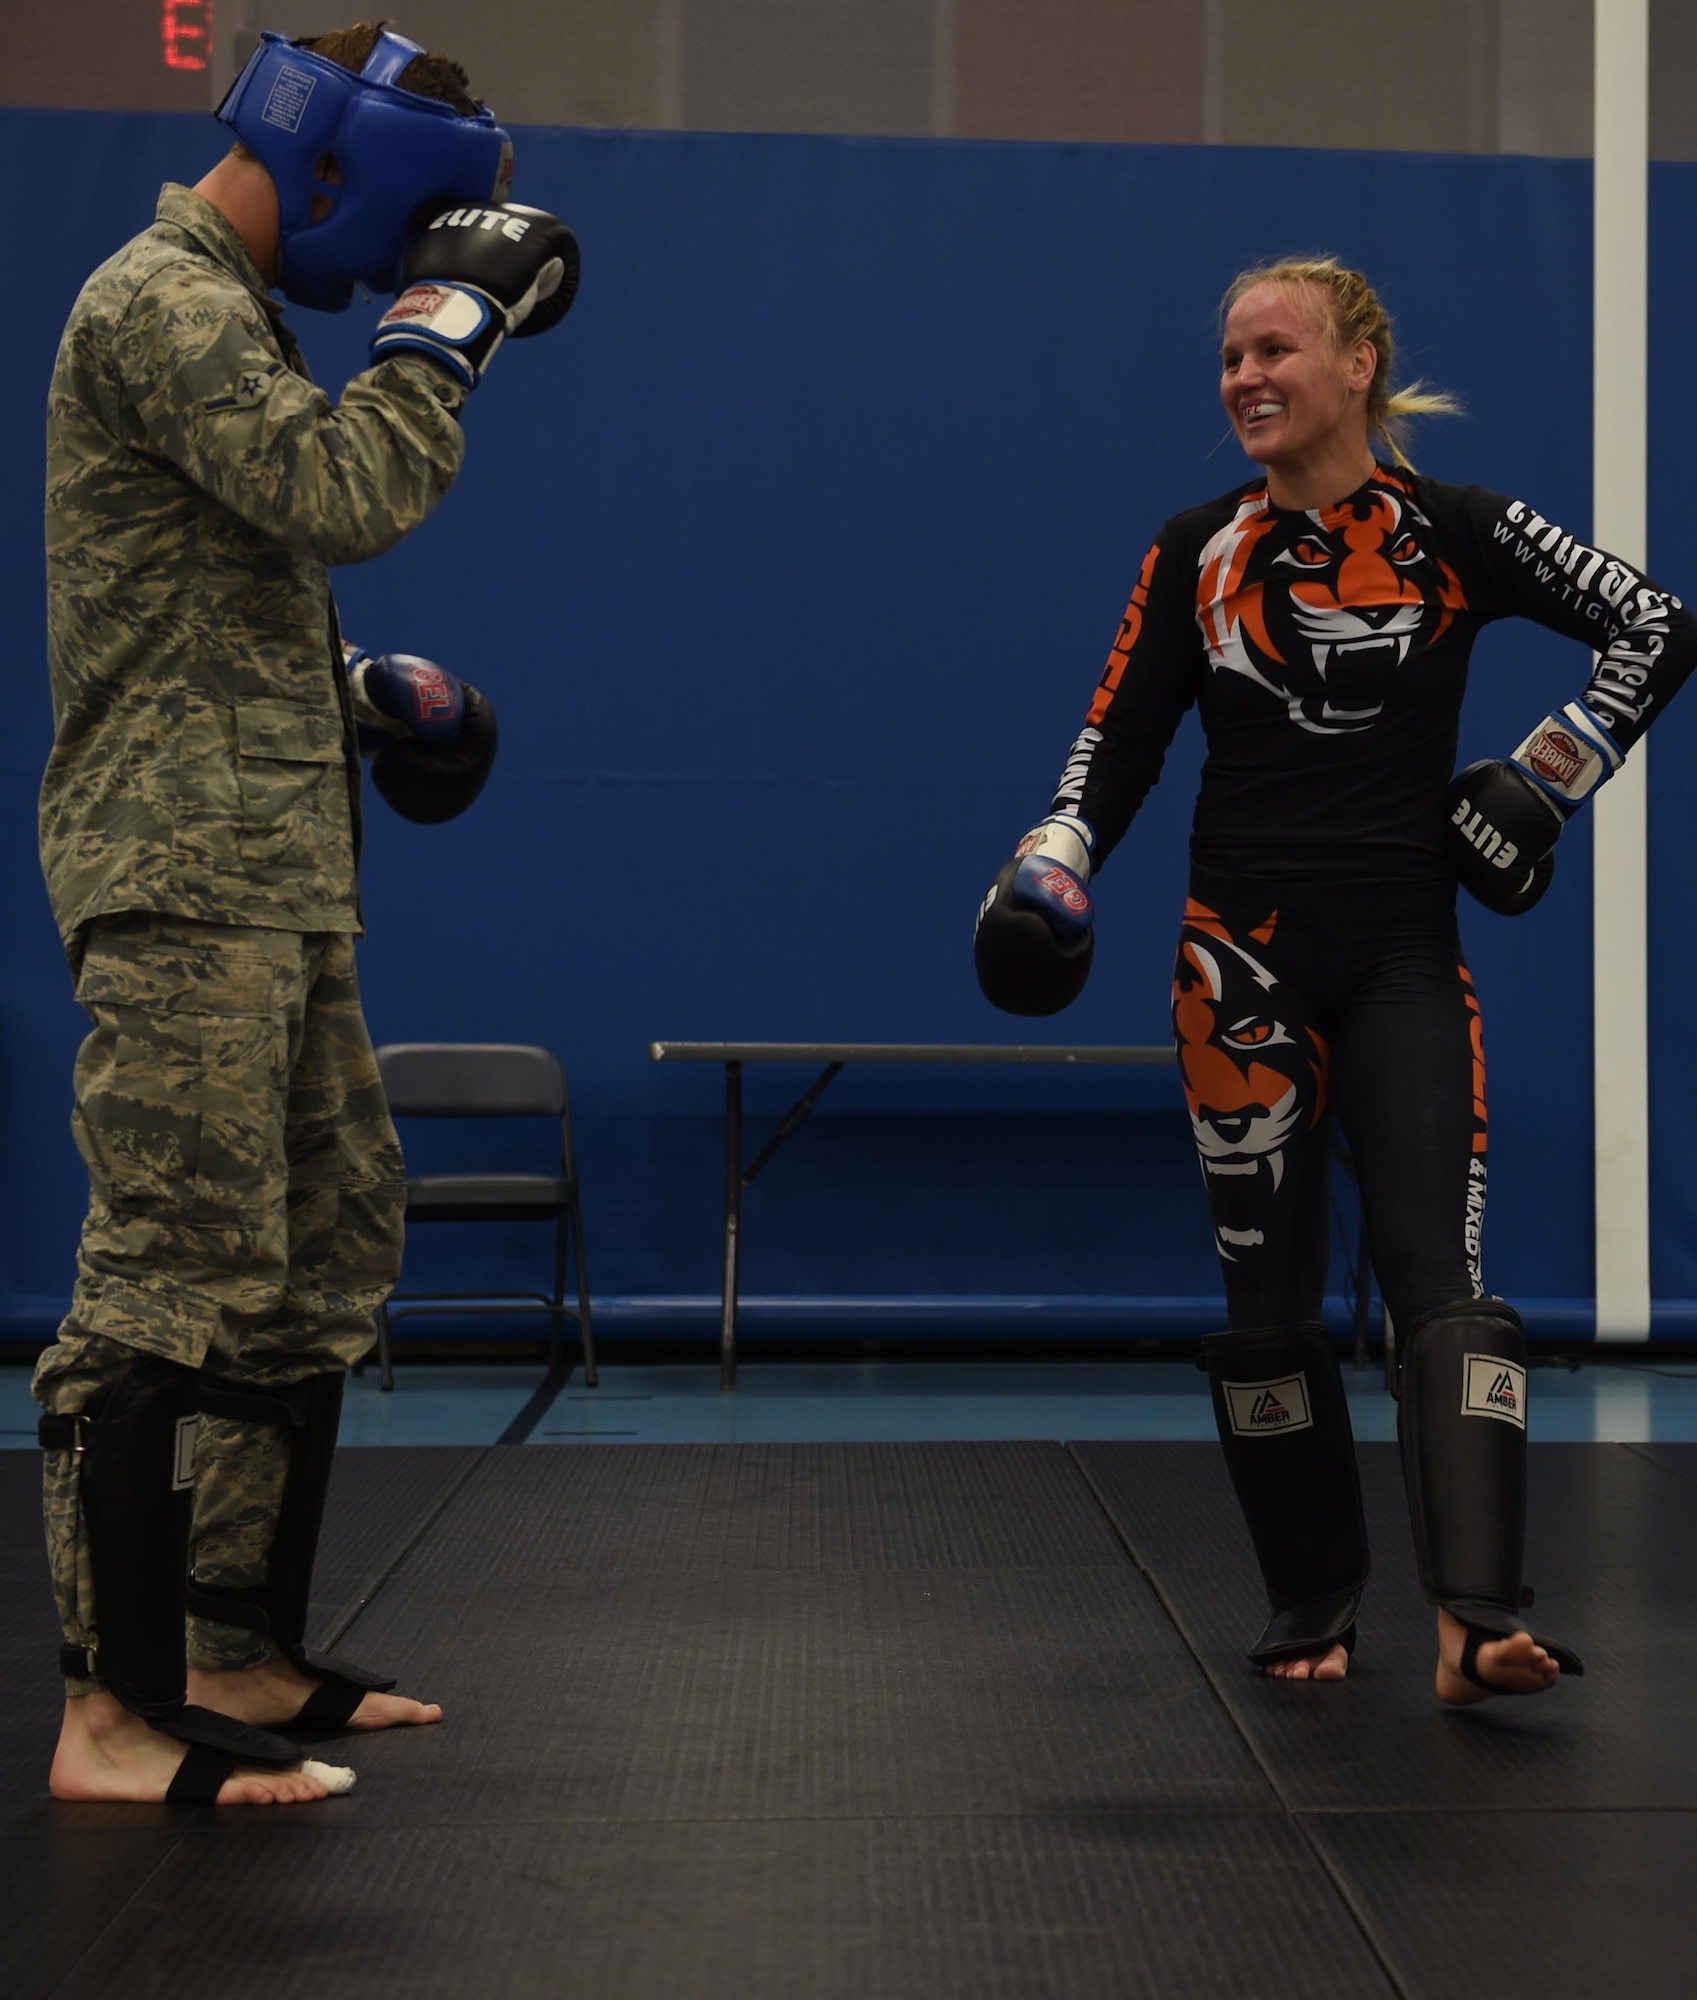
pixel 204 760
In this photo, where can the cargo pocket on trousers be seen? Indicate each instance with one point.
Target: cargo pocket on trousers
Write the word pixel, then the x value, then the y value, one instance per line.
pixel 180 1105
pixel 289 760
pixel 139 1105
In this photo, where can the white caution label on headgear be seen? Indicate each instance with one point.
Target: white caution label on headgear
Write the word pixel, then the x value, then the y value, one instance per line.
pixel 1493 1387
pixel 290 95
pixel 1268 1409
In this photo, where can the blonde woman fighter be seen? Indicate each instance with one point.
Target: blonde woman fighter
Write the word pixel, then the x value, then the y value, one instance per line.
pixel 1321 616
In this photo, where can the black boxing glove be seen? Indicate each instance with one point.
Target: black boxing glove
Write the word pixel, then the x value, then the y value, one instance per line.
pixel 474 275
pixel 1508 817
pixel 1035 937
pixel 1504 831
pixel 1513 893
pixel 429 782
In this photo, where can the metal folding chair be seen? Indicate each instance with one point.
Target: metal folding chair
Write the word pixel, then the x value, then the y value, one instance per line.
pixel 490 1080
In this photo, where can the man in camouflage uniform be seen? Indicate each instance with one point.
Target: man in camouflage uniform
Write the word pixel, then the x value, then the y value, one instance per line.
pixel 200 822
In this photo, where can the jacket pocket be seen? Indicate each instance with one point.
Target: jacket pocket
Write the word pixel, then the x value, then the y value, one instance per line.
pixel 289 764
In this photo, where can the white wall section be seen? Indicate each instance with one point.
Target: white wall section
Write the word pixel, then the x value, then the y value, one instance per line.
pixel 1620 936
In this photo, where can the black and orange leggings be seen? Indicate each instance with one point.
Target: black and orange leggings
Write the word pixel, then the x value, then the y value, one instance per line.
pixel 1283 1023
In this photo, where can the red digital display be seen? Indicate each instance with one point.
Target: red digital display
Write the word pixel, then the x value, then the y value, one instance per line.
pixel 185 33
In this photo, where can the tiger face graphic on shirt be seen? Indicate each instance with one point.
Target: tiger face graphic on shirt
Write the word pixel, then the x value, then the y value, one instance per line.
pixel 1326 651
pixel 1320 608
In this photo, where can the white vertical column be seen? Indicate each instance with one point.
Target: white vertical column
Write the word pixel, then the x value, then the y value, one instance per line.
pixel 1620 1074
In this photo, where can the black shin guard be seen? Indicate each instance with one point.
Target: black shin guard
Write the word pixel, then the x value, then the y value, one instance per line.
pixel 310 1412
pixel 1284 1426
pixel 134 1450
pixel 1462 1425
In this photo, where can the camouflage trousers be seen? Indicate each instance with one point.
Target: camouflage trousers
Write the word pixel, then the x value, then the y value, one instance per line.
pixel 246 1192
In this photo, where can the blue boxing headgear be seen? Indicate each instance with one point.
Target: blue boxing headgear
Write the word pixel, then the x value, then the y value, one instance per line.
pixel 396 153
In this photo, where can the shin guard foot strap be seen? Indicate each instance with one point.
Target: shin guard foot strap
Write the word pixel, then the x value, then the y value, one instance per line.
pixel 1309 1630
pixel 1284 1427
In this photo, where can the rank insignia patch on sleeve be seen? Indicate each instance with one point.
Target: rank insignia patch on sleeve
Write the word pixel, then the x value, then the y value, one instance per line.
pixel 249 386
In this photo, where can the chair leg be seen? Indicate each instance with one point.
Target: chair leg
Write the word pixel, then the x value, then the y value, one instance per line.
pixel 586 1332
pixel 557 1311
pixel 385 1350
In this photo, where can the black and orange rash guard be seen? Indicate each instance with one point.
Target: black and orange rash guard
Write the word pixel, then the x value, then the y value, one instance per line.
pixel 1327 653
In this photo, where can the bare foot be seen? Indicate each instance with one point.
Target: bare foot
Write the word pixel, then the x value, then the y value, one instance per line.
pixel 272 1695
pixel 105 1752
pixel 1518 1665
pixel 1330 1666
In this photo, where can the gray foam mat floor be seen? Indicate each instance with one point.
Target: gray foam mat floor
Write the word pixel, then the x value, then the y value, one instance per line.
pixel 1675 1457
pixel 1138 1904
pixel 1459 1905
pixel 380 1504
pixel 1612 1550
pixel 930 1720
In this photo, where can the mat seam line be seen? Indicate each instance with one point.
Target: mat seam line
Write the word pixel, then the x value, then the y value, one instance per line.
pixel 387 1574
pixel 1640 1452
pixel 1478 1812
pixel 1296 1819
pixel 118 1914
pixel 1037 1814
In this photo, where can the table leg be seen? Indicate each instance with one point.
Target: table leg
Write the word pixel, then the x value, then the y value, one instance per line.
pixel 733 1224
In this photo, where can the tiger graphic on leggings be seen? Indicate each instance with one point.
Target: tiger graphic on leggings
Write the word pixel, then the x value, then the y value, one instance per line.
pixel 1279 1021
pixel 1252 1079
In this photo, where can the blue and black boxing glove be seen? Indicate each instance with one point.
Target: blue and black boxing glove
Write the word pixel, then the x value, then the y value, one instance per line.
pixel 400 695
pixel 474 275
pixel 1036 934
pixel 431 737
pixel 1507 817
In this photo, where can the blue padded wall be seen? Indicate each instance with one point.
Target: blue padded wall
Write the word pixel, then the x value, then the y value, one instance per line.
pixel 789 564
